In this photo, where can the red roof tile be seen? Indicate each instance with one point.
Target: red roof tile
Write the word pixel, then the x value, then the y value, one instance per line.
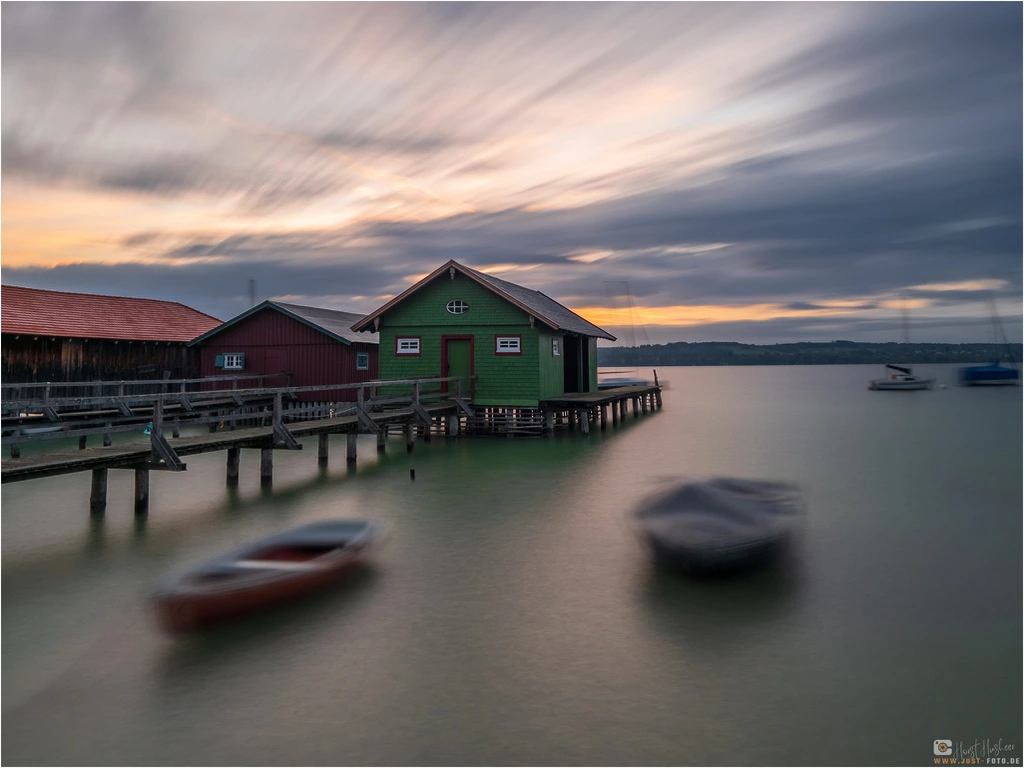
pixel 88 316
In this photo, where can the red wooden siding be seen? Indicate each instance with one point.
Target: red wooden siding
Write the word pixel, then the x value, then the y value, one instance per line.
pixel 303 355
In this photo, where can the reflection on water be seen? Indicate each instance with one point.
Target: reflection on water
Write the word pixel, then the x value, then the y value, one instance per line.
pixel 514 618
pixel 719 611
pixel 194 654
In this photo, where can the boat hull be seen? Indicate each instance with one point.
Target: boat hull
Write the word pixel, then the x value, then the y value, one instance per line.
pixel 260 576
pixel 989 375
pixel 720 526
pixel 902 386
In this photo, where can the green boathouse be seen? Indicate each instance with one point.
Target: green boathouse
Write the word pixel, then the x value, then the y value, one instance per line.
pixel 519 346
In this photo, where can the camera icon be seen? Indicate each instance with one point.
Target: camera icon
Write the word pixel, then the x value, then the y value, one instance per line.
pixel 942 746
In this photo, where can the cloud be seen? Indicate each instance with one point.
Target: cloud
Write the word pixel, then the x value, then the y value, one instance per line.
pixel 732 155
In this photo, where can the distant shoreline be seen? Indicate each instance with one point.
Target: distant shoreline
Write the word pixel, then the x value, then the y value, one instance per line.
pixel 806 353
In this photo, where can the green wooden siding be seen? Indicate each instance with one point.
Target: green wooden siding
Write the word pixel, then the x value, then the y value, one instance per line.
pixel 512 380
pixel 501 379
pixel 552 369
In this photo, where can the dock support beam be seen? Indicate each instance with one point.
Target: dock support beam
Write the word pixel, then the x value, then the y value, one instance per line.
pixel 350 448
pixel 98 495
pixel 584 421
pixel 141 491
pixel 453 426
pixel 604 417
pixel 321 450
pixel 382 437
pixel 81 443
pixel 233 458
pixel 266 467
pixel 410 436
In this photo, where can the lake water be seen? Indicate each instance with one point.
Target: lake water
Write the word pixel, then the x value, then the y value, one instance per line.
pixel 513 619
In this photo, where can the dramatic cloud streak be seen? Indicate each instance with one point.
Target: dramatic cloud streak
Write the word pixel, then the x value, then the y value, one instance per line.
pixel 756 172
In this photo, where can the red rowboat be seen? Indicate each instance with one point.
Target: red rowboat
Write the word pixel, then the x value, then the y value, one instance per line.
pixel 264 573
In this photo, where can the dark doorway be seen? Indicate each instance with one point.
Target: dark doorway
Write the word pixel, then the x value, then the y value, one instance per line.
pixel 577 364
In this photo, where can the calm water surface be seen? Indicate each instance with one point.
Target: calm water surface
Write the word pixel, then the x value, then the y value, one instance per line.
pixel 512 618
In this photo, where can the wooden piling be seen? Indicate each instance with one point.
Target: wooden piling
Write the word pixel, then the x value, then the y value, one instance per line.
pixel 98 494
pixel 142 491
pixel 106 437
pixel 81 443
pixel 321 449
pixel 233 460
pixel 382 438
pixel 350 448
pixel 604 417
pixel 266 467
pixel 584 422
pixel 410 436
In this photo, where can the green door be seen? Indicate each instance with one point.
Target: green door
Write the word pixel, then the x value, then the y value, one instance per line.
pixel 459 361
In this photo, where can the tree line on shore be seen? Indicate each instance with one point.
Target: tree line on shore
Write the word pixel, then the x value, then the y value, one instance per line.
pixel 804 353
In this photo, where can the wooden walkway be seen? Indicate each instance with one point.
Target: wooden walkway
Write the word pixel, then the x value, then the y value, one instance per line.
pixel 269 419
pixel 140 456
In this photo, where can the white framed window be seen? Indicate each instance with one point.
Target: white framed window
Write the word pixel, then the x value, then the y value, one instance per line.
pixel 508 345
pixel 234 361
pixel 556 348
pixel 457 307
pixel 362 361
pixel 407 345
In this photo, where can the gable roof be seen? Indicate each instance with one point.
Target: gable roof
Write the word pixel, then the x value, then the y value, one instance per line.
pixel 535 303
pixel 332 322
pixel 39 312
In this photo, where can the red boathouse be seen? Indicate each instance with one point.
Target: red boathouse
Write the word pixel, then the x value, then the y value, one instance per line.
pixel 294 346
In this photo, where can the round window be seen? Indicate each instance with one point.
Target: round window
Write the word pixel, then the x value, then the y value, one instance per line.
pixel 457 307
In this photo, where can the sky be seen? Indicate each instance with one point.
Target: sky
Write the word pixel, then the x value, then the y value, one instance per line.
pixel 753 172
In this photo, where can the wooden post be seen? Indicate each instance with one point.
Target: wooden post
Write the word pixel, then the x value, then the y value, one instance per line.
pixel 350 448
pixel 266 467
pixel 636 407
pixel 410 435
pixel 657 398
pixel 98 495
pixel 643 402
pixel 453 425
pixel 81 443
pixel 321 450
pixel 382 437
pixel 174 429
pixel 549 421
pixel 234 455
pixel 604 417
pixel 615 413
pixel 141 491
pixel 15 451
pixel 584 422
pixel 106 437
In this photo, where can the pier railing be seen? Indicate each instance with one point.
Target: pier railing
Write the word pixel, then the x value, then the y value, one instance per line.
pixel 39 414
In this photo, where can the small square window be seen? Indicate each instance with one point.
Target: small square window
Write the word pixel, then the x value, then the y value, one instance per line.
pixel 407 346
pixel 556 349
pixel 362 361
pixel 234 361
pixel 507 345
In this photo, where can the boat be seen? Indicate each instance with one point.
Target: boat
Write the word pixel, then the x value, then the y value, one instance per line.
pixel 993 374
pixel 718 526
pixel 614 382
pixel 902 378
pixel 264 573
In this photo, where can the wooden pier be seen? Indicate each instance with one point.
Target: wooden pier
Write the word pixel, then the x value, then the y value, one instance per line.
pixel 270 419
